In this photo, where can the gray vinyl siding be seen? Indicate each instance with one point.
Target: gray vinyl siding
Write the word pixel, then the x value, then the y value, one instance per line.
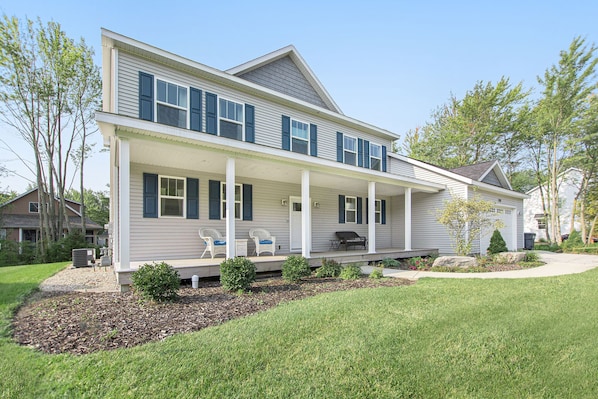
pixel 177 238
pixel 491 178
pixel 283 76
pixel 268 115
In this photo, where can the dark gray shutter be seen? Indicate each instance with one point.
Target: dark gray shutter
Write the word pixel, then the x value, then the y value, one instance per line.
pixel 360 152
pixel 195 109
pixel 286 133
pixel 366 154
pixel 150 195
pixel 313 140
pixel 249 123
pixel 383 211
pixel 339 147
pixel 211 116
pixel 341 209
pixel 214 199
pixel 192 198
pixel 359 215
pixel 146 96
pixel 247 202
pixel 383 158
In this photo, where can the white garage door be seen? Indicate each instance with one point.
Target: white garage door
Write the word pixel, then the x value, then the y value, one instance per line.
pixel 508 219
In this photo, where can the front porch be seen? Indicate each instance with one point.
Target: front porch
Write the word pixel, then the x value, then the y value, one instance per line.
pixel 211 267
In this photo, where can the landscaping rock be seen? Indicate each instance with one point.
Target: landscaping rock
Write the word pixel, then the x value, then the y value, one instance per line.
pixel 456 261
pixel 509 257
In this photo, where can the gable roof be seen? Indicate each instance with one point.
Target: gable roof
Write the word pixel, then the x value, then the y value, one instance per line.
pixel 32 222
pixel 461 178
pixel 248 71
pixel 66 200
pixel 488 172
pixel 570 175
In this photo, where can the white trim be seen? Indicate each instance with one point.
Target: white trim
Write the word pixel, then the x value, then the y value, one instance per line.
pixel 114 80
pixel 124 197
pixel 222 200
pixel 408 219
pixel 112 39
pixel 167 104
pixel 242 123
pixel 160 196
pixel 354 210
pixel 131 127
pixel 300 138
pixel 372 216
pixel 371 156
pixel 31 203
pixel 356 152
pixel 230 209
pixel 305 215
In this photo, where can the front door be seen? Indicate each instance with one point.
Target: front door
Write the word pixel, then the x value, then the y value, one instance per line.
pixel 295 223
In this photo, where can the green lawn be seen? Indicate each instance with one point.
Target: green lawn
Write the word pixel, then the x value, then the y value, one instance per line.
pixel 529 338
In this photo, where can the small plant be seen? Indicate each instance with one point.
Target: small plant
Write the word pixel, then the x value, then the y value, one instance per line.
pixel 377 273
pixel 329 268
pixel 157 282
pixel 573 242
pixel 295 268
pixel 237 274
pixel 419 263
pixel 531 257
pixel 389 262
pixel 497 243
pixel 351 271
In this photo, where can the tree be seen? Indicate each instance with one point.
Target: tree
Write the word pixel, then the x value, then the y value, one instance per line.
pixel 465 219
pixel 482 126
pixel 567 87
pixel 98 204
pixel 42 73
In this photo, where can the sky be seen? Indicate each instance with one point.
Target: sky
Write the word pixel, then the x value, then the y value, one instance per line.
pixel 387 63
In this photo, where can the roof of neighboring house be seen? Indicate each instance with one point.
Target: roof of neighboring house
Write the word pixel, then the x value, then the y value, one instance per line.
pixel 32 222
pixel 570 175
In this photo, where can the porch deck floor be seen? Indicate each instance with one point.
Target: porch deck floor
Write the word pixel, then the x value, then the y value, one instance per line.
pixel 208 267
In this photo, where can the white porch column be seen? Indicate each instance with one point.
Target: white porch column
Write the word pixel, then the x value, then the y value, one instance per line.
pixel 408 219
pixel 231 248
pixel 124 206
pixel 372 217
pixel 305 215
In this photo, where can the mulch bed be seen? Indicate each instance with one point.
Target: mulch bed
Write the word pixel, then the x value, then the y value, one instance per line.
pixel 81 323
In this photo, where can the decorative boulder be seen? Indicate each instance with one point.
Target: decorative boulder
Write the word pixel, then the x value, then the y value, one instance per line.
pixel 456 261
pixel 509 257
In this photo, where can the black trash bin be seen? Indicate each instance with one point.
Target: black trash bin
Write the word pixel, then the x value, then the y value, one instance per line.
pixel 528 240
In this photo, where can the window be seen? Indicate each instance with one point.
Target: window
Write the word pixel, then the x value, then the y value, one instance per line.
pixel 350 150
pixel 378 212
pixel 375 157
pixel 238 201
pixel 34 207
pixel 541 220
pixel 231 119
pixel 171 104
pixel 351 209
pixel 299 136
pixel 172 196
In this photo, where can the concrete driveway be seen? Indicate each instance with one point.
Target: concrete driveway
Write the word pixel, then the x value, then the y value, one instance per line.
pixel 556 265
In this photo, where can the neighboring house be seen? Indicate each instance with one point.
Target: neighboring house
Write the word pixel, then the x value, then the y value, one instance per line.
pixel 19 218
pixel 184 137
pixel 537 222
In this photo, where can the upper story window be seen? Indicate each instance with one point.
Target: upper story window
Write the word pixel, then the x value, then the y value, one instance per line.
pixel 351 209
pixel 171 104
pixel 350 150
pixel 33 207
pixel 231 119
pixel 375 157
pixel 299 136
pixel 172 196
pixel 238 201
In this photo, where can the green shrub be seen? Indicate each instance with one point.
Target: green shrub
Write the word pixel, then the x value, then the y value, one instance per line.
pixel 157 282
pixel 377 273
pixel 351 271
pixel 62 249
pixel 497 243
pixel 531 257
pixel 573 242
pixel 329 268
pixel 295 268
pixel 389 262
pixel 547 247
pixel 237 274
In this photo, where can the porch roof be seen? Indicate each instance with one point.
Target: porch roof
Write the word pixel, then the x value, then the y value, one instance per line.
pixel 168 146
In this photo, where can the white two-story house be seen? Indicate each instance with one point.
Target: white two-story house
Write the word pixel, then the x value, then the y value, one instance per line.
pixel 184 138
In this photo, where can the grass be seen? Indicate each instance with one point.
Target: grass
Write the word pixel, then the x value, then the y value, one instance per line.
pixel 531 338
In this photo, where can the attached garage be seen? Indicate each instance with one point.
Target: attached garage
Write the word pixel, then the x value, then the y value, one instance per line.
pixel 508 217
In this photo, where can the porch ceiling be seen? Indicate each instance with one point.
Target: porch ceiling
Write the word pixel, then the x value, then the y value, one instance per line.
pixel 211 157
